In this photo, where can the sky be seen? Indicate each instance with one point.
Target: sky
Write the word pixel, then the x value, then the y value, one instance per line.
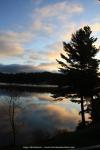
pixel 32 31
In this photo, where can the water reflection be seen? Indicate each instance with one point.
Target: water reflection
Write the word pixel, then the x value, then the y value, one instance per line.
pixel 29 118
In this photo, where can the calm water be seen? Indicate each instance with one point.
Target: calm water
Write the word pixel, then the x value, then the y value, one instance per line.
pixel 28 117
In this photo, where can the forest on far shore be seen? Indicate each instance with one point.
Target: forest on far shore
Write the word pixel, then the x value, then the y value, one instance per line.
pixel 37 78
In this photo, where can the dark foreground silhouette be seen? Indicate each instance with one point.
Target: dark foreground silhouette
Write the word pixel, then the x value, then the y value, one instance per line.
pixel 88 136
pixel 78 139
pixel 36 78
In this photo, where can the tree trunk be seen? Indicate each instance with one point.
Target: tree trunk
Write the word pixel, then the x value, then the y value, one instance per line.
pixel 13 122
pixel 82 112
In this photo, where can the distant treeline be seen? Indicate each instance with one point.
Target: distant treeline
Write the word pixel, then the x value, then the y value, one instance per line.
pixel 34 78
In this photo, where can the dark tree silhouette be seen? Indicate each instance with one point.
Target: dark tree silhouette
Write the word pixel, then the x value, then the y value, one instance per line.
pixel 80 65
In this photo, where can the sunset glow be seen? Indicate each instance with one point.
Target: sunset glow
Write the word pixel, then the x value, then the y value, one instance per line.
pixel 32 31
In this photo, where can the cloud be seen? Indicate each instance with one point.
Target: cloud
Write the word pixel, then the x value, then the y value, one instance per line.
pixel 51 18
pixel 10 49
pixel 20 37
pixel 36 56
pixel 48 66
pixel 96 27
pixel 15 68
pixel 49 54
pixel 54 51
pixel 48 119
pixel 52 10
pixel 46 60
pixel 11 43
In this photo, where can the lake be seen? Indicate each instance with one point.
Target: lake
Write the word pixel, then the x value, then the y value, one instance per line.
pixel 29 117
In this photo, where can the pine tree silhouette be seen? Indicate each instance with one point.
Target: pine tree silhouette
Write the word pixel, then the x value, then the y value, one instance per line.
pixel 80 65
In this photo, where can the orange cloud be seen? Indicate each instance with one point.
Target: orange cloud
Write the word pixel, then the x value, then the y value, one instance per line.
pixel 58 116
pixel 96 27
pixel 48 66
pixel 63 116
pixel 47 60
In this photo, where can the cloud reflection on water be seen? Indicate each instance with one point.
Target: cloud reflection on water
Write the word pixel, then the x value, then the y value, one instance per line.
pixel 37 120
